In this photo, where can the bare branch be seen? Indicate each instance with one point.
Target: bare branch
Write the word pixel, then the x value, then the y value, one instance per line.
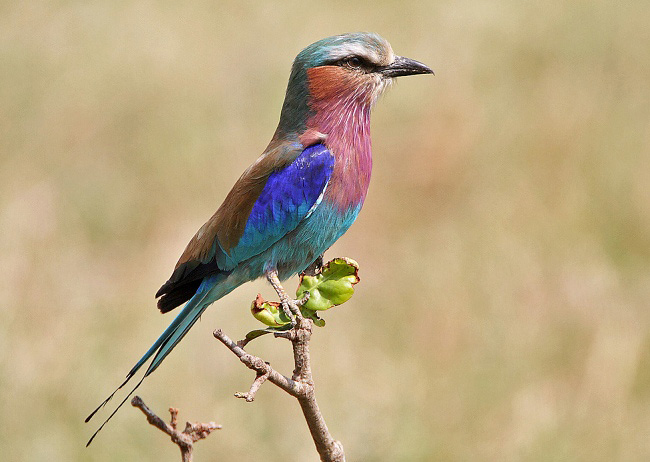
pixel 184 440
pixel 259 365
pixel 172 411
pixel 257 383
pixel 301 385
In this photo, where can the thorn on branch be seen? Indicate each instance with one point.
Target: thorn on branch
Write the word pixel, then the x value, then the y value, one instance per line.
pixel 184 440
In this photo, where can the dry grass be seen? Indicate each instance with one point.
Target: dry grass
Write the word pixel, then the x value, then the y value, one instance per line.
pixel 505 240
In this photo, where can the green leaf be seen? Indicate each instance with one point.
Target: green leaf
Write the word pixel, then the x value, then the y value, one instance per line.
pixel 332 286
pixel 269 313
pixel 314 317
pixel 252 335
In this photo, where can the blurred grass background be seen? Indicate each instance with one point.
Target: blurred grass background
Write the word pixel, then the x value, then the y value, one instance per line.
pixel 504 245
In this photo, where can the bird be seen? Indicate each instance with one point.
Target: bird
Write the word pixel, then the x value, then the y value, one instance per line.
pixel 297 198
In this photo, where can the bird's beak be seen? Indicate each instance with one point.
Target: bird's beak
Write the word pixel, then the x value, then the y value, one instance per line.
pixel 403 66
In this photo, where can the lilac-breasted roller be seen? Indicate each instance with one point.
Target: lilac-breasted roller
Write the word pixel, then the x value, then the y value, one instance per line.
pixel 299 196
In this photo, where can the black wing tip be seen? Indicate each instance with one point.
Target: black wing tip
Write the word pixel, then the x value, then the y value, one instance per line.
pixel 163 305
pixel 163 289
pixel 176 296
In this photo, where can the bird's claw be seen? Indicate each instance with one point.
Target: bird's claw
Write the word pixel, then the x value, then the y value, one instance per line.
pixel 304 299
pixel 286 307
pixel 290 307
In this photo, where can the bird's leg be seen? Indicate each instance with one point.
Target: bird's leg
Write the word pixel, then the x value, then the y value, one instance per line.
pixel 289 306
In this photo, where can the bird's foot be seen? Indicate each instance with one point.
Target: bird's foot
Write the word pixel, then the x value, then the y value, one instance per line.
pixel 290 306
pixel 301 301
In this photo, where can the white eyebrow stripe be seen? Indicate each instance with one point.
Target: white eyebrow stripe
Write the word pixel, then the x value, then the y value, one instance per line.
pixel 355 49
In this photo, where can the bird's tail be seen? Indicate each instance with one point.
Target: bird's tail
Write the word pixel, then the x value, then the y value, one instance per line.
pixel 204 296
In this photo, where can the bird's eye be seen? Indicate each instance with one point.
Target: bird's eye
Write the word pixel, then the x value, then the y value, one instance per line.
pixel 353 62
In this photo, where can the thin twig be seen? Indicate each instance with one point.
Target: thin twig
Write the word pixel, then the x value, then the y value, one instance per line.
pixel 259 365
pixel 301 385
pixel 183 439
pixel 257 383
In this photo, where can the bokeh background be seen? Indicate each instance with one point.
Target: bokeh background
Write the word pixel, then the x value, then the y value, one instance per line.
pixel 503 313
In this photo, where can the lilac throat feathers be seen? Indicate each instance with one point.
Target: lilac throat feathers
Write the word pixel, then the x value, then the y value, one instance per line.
pixel 342 113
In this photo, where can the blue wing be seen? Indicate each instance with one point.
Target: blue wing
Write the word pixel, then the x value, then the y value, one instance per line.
pixel 266 203
pixel 289 196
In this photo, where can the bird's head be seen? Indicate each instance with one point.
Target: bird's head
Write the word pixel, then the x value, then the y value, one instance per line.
pixel 350 69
